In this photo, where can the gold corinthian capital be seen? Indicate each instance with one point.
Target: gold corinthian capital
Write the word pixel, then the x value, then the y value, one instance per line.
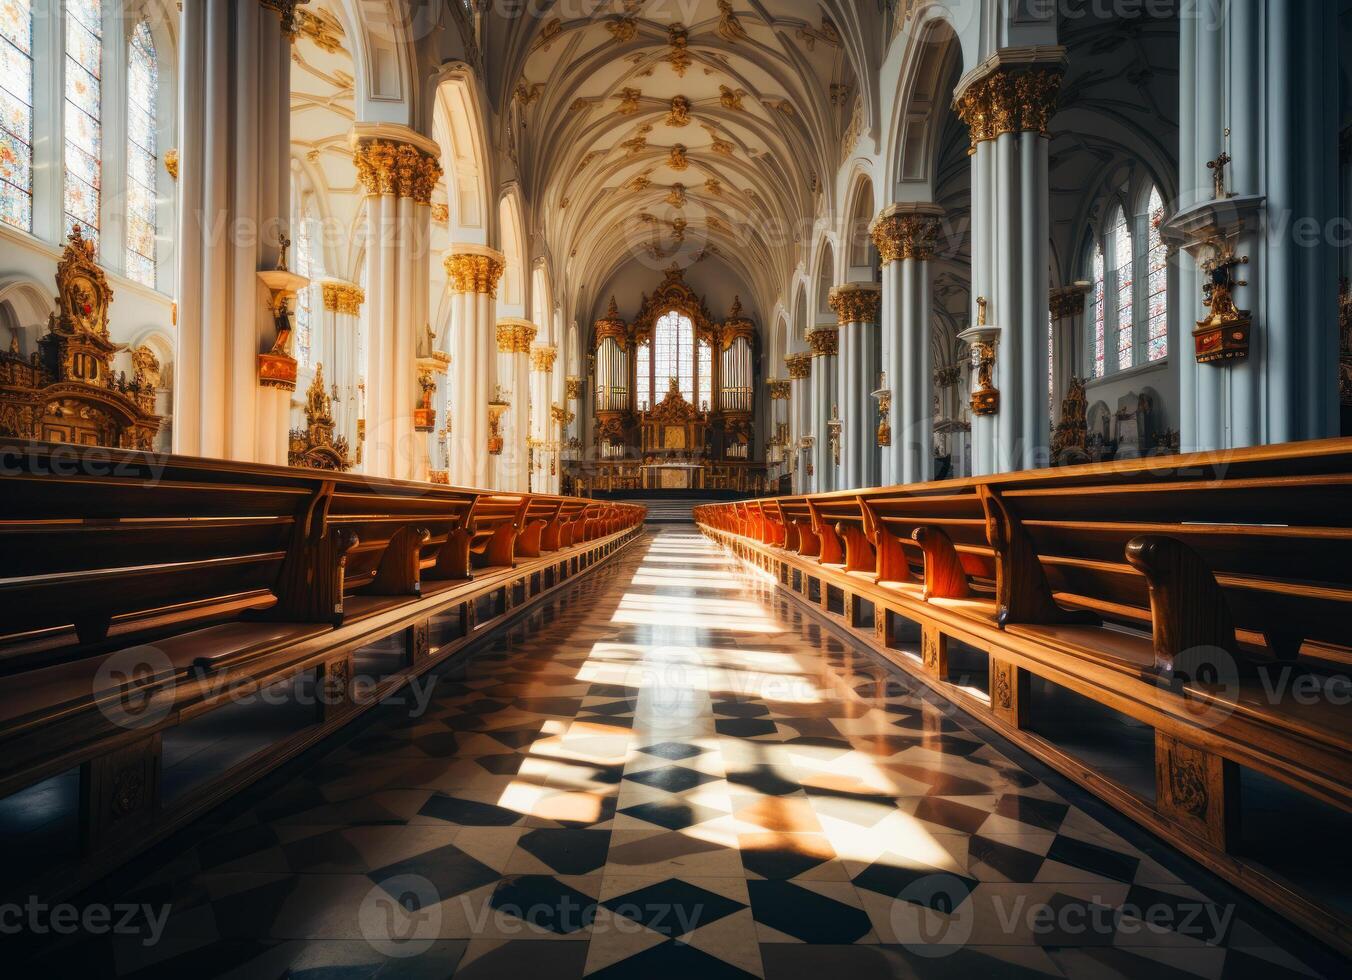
pixel 855 303
pixel 907 231
pixel 474 272
pixel 1017 98
pixel 342 297
pixel 515 336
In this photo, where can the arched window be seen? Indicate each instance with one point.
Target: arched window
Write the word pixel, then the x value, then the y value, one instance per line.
pixel 1124 283
pixel 1099 347
pixel 84 114
pixel 16 113
pixel 674 354
pixel 142 92
pixel 1157 288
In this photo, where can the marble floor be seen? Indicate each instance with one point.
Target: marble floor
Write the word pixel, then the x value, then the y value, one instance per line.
pixel 669 771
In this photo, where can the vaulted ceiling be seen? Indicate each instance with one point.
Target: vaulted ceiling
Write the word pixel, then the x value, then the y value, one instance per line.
pixel 692 131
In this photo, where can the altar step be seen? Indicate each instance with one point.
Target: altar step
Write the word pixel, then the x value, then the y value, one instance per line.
pixel 677 511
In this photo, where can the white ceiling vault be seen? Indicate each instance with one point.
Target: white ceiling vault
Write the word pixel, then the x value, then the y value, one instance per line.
pixel 688 131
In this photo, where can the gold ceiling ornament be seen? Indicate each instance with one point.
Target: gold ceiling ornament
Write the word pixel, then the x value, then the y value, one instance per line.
pixel 783 106
pixel 824 341
pixel 548 36
pixel 676 197
pixel 515 336
pixel 579 105
pixel 718 144
pixel 542 358
pixel 67 391
pixel 855 303
pixel 854 130
pixel 623 29
pixel 1010 99
pixel 527 93
pixel 799 365
pixel 171 162
pixel 730 27
pixel 679 115
pixel 474 272
pixel 731 99
pixel 840 93
pixel 714 186
pixel 907 232
pixel 441 212
pixel 400 169
pixel 679 158
pixel 315 446
pixel 678 38
pixel 628 101
pixel 342 297
pixel 322 28
pixel 633 147
pixel 640 182
pixel 827 34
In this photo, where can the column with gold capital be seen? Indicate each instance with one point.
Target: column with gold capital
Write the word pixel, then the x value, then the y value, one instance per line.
pixel 824 342
pixel 800 417
pixel 397 168
pixel 544 431
pixel 856 307
pixel 514 339
pixel 234 187
pixel 907 237
pixel 472 273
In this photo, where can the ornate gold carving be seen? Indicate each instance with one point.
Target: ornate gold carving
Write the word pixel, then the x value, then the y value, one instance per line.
pixel 322 28
pixel 527 93
pixel 341 297
pixel 730 27
pixel 515 336
pixel 623 29
pixel 906 236
pixel 679 116
pixel 441 213
pixel 572 388
pixel 474 273
pixel 985 397
pixel 542 358
pixel 884 419
pixel 676 196
pixel 315 446
pixel 286 10
pixel 171 162
pixel 612 327
pixel 678 39
pixel 800 366
pixel 1010 100
pixel 396 168
pixel 496 409
pixel 730 98
pixel 67 391
pixel 855 304
pixel 1067 302
pixel 1224 335
pixel 824 341
pixel 780 390
pixel 628 101
pixel 1070 438
pixel 828 35
pixel 548 36
pixel 679 159
pixel 634 146
pixel 1002 684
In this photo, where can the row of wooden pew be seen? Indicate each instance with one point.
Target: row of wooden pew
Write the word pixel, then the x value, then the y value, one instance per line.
pixel 1173 591
pixel 205 575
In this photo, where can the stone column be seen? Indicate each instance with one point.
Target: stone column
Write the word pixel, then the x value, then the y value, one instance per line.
pixel 824 343
pixel 397 168
pixel 235 201
pixel 472 275
pixel 1258 192
pixel 342 313
pixel 800 417
pixel 907 236
pixel 544 436
pixel 514 339
pixel 856 306
pixel 1007 104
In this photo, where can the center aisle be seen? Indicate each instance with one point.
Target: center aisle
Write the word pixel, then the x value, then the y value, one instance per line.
pixel 671 772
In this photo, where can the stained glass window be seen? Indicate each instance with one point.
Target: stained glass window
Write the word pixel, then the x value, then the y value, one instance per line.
pixel 16 113
pixel 706 376
pixel 84 137
pixel 1100 315
pixel 303 338
pixel 674 354
pixel 1157 297
pixel 643 367
pixel 1125 284
pixel 142 91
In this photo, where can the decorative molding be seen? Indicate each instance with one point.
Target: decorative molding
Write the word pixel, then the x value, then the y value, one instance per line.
pixel 799 365
pixel 855 303
pixel 1011 99
pixel 343 297
pixel 824 341
pixel 389 162
pixel 908 231
pixel 542 358
pixel 515 336
pixel 475 270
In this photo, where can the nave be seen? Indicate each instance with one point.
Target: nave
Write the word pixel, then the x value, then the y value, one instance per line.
pixel 669 769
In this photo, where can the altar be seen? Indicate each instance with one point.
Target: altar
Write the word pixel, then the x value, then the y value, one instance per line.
pixel 673 476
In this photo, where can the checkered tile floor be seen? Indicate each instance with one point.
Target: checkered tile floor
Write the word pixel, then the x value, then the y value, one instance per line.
pixel 670 772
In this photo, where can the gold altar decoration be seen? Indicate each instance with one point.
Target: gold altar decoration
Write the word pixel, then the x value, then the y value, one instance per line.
pixel 674 293
pixel 496 409
pixel 855 303
pixel 277 368
pixel 343 297
pixel 515 336
pixel 780 390
pixel 1010 99
pixel 572 388
pixel 1070 438
pixel 171 162
pixel 542 358
pixel 907 232
pixel 799 365
pixel 985 398
pixel 425 415
pixel 67 391
pixel 315 446
pixel 401 169
pixel 1224 334
pixel 824 341
pixel 474 272
pixel 884 396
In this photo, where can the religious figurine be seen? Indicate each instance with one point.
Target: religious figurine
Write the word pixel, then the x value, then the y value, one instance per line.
pixel 1217 168
pixel 283 246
